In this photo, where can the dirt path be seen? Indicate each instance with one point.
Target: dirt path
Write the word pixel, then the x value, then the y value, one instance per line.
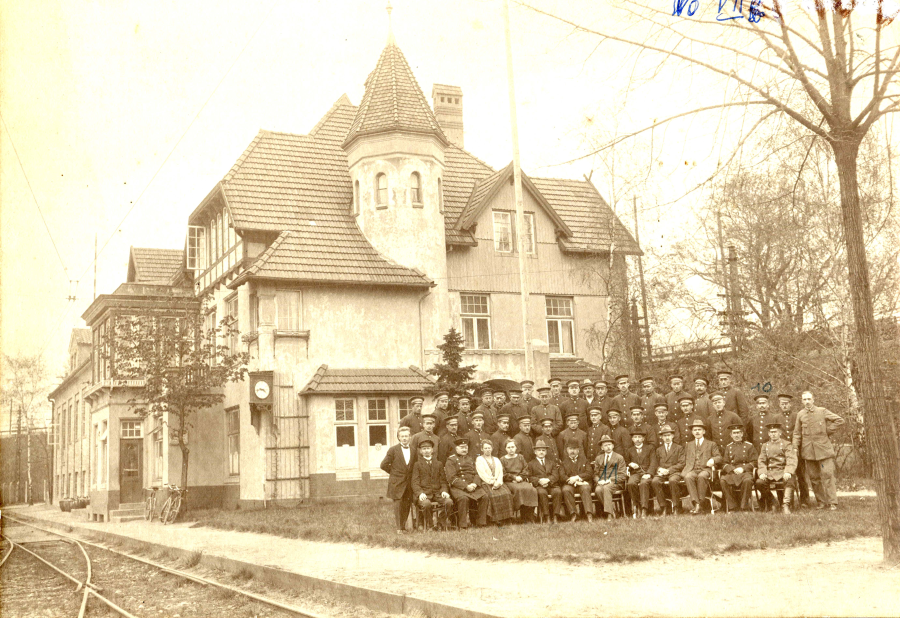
pixel 844 578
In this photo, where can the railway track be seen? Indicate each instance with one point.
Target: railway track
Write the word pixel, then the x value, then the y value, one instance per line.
pixel 77 577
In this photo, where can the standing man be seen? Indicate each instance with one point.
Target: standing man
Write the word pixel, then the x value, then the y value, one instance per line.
pixel 528 399
pixel 737 473
pixel 463 409
pixel 702 404
pixel 575 404
pixel 572 434
pixel 447 444
pixel 761 417
pixel 441 410
pixel 649 396
pixel 785 405
pixel 700 457
pixel 397 463
pixel 619 433
pixel 721 420
pixel 523 439
pixel 556 394
pixel 735 400
pixel 549 439
pixel 625 399
pixel 604 398
pixel 476 434
pixel 515 409
pixel 639 424
pixel 812 439
pixel 427 433
pixel 595 432
pixel 689 414
pixel 487 411
pixel 676 383
pixel 413 420
pixel 499 437
pixel 588 394
pixel 545 409
pixel 661 411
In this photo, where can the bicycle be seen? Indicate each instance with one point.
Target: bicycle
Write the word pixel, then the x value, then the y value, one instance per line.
pixel 172 506
pixel 150 503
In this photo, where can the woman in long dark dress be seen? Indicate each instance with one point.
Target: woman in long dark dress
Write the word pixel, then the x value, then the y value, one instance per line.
pixel 524 494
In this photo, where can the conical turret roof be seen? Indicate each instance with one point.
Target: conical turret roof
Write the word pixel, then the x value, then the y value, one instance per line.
pixel 393 101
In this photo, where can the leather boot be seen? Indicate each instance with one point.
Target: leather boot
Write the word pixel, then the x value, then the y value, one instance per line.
pixel 786 504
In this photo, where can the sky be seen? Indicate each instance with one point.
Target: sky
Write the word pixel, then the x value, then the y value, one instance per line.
pixel 120 117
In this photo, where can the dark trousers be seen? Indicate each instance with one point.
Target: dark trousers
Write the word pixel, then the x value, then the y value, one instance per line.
pixel 401 510
pixel 738 483
pixel 639 490
pixel 463 502
pixel 697 482
pixel 658 483
pixel 428 505
pixel 765 492
pixel 568 496
pixel 802 483
pixel 546 496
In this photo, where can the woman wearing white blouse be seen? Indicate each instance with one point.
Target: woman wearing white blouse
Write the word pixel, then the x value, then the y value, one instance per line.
pixel 490 471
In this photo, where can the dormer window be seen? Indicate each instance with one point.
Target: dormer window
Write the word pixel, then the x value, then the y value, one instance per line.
pixel 415 188
pixel 381 191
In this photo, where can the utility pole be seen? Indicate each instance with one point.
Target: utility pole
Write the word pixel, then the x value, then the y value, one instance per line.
pixel 520 203
pixel 637 239
pixel 18 454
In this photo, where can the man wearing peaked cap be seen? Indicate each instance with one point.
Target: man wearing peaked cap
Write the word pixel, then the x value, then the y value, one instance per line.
pixel 735 399
pixel 650 396
pixel 503 433
pixel 515 409
pixel 556 394
pixel 625 398
pixel 571 433
pixel 429 485
pixel 609 475
pixel 721 420
pixel 676 382
pixel 528 398
pixel 595 431
pixel 575 404
pixel 670 464
pixel 413 420
pixel 546 409
pixel 463 410
pixel 739 462
pixel 702 403
pixel 476 434
pixel 428 422
pixel 465 485
pixel 441 410
pixel 486 408
pixel 777 462
pixel 762 415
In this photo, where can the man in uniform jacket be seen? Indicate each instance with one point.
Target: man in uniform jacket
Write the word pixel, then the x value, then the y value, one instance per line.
pixel 689 415
pixel 528 398
pixel 542 473
pixel 609 475
pixel 735 400
pixel 670 465
pixel 595 432
pixel 503 433
pixel 625 399
pixel 721 420
pixel 777 462
pixel 661 412
pixel 429 485
pixel 413 420
pixel 545 409
pixel 700 457
pixel 739 462
pixel 476 434
pixel 650 396
pixel 556 394
pixel 397 463
pixel 570 433
pixel 465 485
pixel 676 382
pixel 549 439
pixel 604 398
pixel 762 416
pixel 589 395
pixel 524 441
pixel 618 432
pixel 463 410
pixel 702 404
pixel 642 465
pixel 575 476
pixel 486 408
pixel 441 410
pixel 575 404
pixel 515 409
pixel 428 422
pixel 785 406
pixel 812 438
pixel 447 444
pixel 639 422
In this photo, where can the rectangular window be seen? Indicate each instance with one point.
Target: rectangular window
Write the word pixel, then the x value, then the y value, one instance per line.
pixel 254 313
pixel 403 407
pixel 476 321
pixel 503 231
pixel 132 429
pixel 78 420
pixel 560 325
pixel 196 247
pixel 233 418
pixel 377 410
pixel 287 310
pixel 528 236
pixel 158 448
pixel 378 434
pixel 343 411
pixel 346 453
pixel 231 316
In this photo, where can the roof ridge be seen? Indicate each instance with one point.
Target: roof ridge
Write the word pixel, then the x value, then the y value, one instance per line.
pixel 240 160
pixel 316 378
pixel 341 101
pixel 463 150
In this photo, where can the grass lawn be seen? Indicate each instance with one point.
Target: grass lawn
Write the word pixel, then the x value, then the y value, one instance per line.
pixel 622 540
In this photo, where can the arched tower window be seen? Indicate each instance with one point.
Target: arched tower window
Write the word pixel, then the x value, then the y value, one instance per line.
pixel 356 198
pixel 381 191
pixel 415 188
pixel 440 197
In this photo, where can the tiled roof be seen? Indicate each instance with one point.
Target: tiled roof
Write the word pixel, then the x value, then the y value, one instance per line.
pixel 299 255
pixel 377 380
pixel 154 265
pixel 393 101
pixel 574 369
pixel 461 172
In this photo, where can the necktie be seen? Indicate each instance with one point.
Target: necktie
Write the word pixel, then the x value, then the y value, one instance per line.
pixel 667 449
pixel 698 444
pixel 606 461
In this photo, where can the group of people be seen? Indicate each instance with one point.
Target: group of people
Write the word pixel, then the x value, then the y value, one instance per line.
pixel 516 455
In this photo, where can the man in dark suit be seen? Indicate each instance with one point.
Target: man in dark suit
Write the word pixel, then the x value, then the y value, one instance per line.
pixel 397 464
pixel 670 465
pixel 609 475
pixel 700 457
pixel 575 476
pixel 641 466
pixel 429 485
pixel 542 474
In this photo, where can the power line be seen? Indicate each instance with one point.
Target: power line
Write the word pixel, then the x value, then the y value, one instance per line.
pixel 34 197
pixel 191 124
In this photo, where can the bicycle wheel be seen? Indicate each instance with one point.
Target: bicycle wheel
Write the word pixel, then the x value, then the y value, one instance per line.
pixel 166 509
pixel 149 507
pixel 176 508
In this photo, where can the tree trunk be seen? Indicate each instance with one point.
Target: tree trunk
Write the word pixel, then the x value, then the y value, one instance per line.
pixel 29 497
pixel 881 434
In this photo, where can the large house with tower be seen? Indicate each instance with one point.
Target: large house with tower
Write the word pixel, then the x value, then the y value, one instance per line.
pixel 343 256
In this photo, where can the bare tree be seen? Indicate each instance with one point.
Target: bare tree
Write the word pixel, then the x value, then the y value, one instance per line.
pixel 25 389
pixel 831 71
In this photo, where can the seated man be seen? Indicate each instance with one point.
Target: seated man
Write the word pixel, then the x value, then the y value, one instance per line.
pixel 737 472
pixel 641 466
pixel 465 485
pixel 609 475
pixel 575 478
pixel 700 457
pixel 542 473
pixel 429 485
pixel 777 462
pixel 670 464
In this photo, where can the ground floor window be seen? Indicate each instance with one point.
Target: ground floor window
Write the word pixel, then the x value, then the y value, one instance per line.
pixel 346 453
pixel 233 423
pixel 560 325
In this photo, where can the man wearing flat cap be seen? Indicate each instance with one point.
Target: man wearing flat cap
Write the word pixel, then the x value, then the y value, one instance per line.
pixel 739 462
pixel 777 462
pixel 588 393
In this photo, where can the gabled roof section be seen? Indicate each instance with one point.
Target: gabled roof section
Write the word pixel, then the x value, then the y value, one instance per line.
pixel 312 255
pixel 393 101
pixel 370 380
pixel 153 265
pixel 485 190
pixel 462 171
pixel 81 336
pixel 574 369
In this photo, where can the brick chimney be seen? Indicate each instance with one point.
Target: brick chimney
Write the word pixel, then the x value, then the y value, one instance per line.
pixel 449 111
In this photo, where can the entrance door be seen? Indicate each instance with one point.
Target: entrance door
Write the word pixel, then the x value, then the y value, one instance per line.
pixel 131 470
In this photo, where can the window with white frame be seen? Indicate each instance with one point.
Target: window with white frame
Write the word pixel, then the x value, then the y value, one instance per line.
pixel 233 422
pixel 476 321
pixel 381 191
pixel 132 429
pixel 377 427
pixel 158 448
pixel 346 452
pixel 503 236
pixel 415 188
pixel 231 316
pixel 402 407
pixel 287 310
pixel 196 249
pixel 560 325
pixel 528 236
